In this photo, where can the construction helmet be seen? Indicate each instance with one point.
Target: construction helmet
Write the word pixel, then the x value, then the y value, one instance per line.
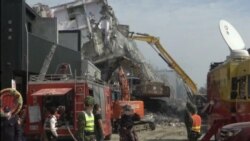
pixel 89 100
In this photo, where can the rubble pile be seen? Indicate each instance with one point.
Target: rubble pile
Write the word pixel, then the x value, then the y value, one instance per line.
pixel 168 112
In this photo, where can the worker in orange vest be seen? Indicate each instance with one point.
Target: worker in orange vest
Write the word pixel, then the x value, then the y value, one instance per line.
pixel 196 126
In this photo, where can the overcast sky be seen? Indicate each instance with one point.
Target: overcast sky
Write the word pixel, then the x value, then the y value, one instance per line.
pixel 189 30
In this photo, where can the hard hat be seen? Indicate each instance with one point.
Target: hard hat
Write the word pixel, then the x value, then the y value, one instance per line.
pixel 90 100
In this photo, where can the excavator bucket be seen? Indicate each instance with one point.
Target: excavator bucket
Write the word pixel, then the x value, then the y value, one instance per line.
pixel 152 89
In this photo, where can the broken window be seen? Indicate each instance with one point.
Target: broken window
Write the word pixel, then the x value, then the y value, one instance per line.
pixel 74 11
pixel 71 13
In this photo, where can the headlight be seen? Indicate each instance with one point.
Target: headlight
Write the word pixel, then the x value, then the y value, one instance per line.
pixel 233 132
pixel 225 134
pixel 230 133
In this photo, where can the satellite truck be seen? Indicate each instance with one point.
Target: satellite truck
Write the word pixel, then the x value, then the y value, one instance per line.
pixel 228 91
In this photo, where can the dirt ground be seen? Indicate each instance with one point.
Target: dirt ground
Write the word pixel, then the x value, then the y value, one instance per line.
pixel 161 133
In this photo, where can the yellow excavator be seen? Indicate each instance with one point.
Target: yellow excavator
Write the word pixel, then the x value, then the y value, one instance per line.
pixel 190 86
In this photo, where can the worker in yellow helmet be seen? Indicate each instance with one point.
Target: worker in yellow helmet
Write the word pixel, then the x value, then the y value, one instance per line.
pixel 86 121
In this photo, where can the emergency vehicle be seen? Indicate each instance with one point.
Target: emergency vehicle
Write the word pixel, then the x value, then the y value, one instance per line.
pixel 68 91
pixel 228 85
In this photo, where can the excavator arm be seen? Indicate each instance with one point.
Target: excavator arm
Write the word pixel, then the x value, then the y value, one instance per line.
pixel 124 85
pixel 156 45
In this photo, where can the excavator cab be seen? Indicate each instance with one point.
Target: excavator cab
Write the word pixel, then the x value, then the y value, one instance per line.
pixel 121 97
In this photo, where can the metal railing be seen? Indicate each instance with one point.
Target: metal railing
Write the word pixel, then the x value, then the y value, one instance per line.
pixel 64 78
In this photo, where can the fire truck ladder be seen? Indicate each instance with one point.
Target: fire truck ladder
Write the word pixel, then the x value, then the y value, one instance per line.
pixel 46 63
pixel 80 90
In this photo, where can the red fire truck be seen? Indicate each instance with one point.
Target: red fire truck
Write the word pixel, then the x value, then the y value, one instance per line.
pixel 68 91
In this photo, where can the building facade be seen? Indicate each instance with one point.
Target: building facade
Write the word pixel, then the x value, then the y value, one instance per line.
pixel 26 40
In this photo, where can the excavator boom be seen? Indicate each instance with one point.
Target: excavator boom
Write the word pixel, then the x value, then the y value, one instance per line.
pixel 156 45
pixel 124 85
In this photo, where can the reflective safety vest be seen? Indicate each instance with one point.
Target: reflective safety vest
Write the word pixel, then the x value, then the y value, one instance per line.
pixel 90 122
pixel 196 123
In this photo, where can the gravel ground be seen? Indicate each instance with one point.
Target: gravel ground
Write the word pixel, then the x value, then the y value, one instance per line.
pixel 161 133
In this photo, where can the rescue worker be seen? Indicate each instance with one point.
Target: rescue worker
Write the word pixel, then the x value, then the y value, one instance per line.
pixel 188 118
pixel 10 126
pixel 193 123
pixel 50 125
pixel 22 118
pixel 86 121
pixel 61 116
pixel 99 132
pixel 127 132
pixel 196 126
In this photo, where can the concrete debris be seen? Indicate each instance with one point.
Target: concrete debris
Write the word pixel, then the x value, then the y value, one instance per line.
pixel 170 113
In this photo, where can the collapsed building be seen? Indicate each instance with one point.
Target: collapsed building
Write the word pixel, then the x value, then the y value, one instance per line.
pixel 103 41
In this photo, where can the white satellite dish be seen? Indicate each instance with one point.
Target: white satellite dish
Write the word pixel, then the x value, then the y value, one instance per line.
pixel 233 39
pixel 231 36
